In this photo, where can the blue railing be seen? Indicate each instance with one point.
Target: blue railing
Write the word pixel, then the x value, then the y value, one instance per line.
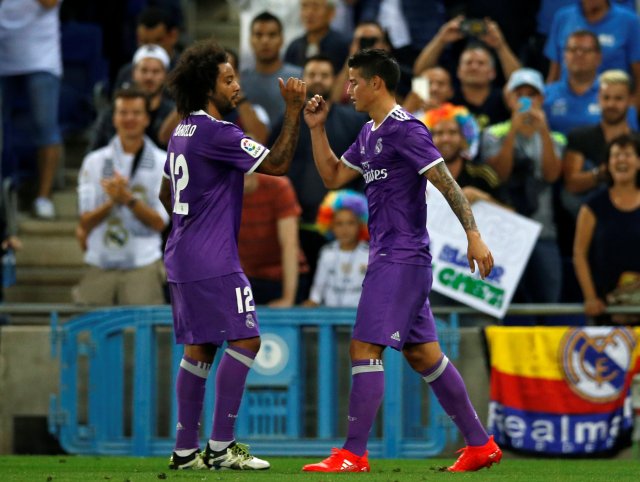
pixel 112 367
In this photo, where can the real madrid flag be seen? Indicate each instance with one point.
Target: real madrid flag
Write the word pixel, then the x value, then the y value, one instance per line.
pixel 560 390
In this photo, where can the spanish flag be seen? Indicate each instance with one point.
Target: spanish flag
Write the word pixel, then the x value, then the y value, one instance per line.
pixel 561 390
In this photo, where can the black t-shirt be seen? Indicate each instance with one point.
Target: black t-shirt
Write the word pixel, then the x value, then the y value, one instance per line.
pixel 590 142
pixel 614 246
pixel 490 112
pixel 482 177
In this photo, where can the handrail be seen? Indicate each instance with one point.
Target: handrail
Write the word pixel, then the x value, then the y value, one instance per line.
pixel 515 309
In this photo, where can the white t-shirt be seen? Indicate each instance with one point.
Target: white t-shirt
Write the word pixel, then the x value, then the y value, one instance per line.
pixel 122 241
pixel 339 275
pixel 29 38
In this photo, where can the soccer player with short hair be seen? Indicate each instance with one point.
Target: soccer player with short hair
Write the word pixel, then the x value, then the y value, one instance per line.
pixel 211 297
pixel 396 156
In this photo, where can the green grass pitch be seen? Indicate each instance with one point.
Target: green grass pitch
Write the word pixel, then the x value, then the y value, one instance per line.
pixel 121 469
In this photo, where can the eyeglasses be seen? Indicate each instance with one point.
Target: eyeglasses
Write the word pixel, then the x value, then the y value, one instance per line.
pixel 579 50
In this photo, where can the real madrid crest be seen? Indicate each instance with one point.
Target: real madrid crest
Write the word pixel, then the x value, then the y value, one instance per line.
pixel 249 321
pixel 378 148
pixel 595 361
pixel 116 235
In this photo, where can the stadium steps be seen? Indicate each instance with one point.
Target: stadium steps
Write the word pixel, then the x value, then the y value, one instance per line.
pixel 51 260
pixel 66 203
pixel 49 251
pixel 38 294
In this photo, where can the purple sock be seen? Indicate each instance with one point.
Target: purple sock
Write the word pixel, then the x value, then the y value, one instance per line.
pixel 230 378
pixel 190 385
pixel 367 388
pixel 448 386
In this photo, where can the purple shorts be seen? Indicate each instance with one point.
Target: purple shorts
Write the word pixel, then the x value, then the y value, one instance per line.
pixel 394 307
pixel 213 310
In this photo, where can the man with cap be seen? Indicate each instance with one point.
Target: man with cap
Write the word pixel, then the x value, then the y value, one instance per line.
pixel 150 67
pixel 526 155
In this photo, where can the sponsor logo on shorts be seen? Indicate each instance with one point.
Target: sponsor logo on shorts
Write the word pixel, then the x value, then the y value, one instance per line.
pixel 249 321
pixel 396 336
pixel 251 147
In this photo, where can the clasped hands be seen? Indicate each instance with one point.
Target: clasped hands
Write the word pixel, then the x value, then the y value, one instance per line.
pixel 117 188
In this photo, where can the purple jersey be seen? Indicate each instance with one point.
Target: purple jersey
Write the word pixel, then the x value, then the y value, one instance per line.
pixel 206 163
pixel 392 158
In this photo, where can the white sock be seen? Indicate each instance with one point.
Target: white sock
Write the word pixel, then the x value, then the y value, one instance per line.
pixel 218 446
pixel 184 453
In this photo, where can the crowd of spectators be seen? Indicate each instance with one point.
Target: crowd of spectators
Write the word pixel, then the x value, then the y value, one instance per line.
pixel 532 106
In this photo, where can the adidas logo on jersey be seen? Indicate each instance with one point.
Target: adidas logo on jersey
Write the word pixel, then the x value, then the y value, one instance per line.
pixel 399 114
pixel 396 336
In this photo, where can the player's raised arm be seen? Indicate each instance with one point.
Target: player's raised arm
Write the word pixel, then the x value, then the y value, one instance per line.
pixel 334 173
pixel 277 162
pixel 441 178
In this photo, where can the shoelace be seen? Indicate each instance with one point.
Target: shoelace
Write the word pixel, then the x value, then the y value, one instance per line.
pixel 335 453
pixel 242 451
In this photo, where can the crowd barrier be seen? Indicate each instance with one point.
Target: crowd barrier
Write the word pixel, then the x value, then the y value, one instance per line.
pixel 118 369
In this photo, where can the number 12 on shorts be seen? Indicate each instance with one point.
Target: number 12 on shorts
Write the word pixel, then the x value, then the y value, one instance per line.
pixel 244 304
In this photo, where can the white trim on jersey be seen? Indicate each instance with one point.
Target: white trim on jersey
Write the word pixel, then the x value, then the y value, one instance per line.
pixel 426 168
pixel 352 166
pixel 399 115
pixel 259 161
pixel 375 127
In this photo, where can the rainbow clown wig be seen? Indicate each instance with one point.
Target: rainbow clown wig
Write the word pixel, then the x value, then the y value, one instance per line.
pixel 468 125
pixel 335 201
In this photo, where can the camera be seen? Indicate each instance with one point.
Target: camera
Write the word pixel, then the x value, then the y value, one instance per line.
pixel 367 42
pixel 473 27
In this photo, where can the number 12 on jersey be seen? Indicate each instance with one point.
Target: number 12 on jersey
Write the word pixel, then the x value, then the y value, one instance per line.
pixel 179 167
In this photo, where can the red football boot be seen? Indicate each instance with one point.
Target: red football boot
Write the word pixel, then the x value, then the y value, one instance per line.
pixel 476 458
pixel 340 460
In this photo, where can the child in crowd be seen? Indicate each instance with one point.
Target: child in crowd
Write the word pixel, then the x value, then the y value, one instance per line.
pixel 342 216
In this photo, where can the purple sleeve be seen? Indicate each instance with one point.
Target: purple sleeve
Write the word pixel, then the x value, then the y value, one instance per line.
pixel 418 148
pixel 232 147
pixel 352 156
pixel 166 171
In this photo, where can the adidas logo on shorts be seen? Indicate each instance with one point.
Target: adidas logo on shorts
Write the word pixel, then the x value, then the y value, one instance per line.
pixel 396 336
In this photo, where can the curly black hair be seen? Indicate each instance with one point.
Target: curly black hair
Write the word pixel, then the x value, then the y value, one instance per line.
pixel 194 78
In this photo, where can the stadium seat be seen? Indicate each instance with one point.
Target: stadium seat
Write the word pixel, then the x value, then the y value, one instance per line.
pixel 85 70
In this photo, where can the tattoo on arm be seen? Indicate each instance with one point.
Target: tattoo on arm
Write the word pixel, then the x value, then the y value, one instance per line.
pixel 279 159
pixel 441 178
